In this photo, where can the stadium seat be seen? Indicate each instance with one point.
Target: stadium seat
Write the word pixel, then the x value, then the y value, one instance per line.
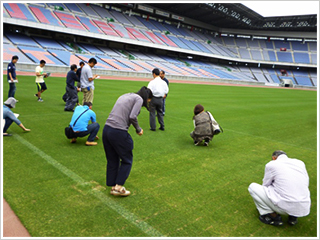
pixel 106 28
pixel 132 65
pixel 89 25
pixel 241 42
pixel 64 56
pixel 304 81
pixel 120 17
pixel 244 53
pixel 165 39
pixel 103 13
pixel 20 39
pixel 38 54
pixel 314 58
pixel 69 20
pixel 20 11
pixel 45 16
pixel 281 44
pixel 9 50
pixel 117 65
pixel 300 57
pixel 256 54
pixel 137 34
pixel 178 42
pixel 272 56
pixel 48 43
pixel 284 57
pixel 152 37
pixel 135 21
pixel 73 7
pixel 90 48
pixel 299 46
pixel 100 64
pixel 122 31
pixel 86 7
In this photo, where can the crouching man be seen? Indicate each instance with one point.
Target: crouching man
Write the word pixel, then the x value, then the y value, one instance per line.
pixel 285 190
pixel 80 124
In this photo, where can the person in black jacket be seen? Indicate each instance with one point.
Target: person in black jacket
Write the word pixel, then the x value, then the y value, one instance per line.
pixel 71 89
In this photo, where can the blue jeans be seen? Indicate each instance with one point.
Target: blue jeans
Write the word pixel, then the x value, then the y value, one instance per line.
pixel 7 124
pixel 12 89
pixel 118 146
pixel 92 129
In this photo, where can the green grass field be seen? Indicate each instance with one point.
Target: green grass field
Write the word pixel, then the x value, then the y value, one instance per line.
pixel 58 189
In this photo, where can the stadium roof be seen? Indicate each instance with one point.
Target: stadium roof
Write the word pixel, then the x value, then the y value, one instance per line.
pixel 237 15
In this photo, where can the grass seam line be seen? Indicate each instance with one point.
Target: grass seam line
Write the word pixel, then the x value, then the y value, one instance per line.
pixel 143 226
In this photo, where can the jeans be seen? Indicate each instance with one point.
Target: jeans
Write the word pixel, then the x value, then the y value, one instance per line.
pixel 92 130
pixel 12 89
pixel 7 124
pixel 118 146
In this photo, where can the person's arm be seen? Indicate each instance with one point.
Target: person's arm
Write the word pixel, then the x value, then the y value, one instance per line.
pixel 133 118
pixel 268 176
pixel 10 75
pixel 24 128
pixel 93 116
pixel 17 121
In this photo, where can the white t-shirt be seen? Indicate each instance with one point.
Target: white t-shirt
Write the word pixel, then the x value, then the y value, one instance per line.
pixel 158 87
pixel 39 79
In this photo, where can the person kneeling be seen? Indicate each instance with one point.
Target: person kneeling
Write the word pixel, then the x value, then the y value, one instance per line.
pixel 80 124
pixel 205 126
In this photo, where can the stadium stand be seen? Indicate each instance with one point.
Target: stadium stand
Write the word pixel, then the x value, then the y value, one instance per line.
pixel 69 20
pixel 105 28
pixel 20 11
pixel 284 57
pixel 165 39
pixel 19 39
pixel 48 43
pixel 120 18
pixel 9 50
pixel 122 31
pixel 86 8
pixel 73 7
pixel 301 57
pixel 89 25
pixel 45 16
pixel 137 34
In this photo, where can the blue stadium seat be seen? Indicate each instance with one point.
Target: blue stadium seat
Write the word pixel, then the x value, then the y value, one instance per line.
pixel 9 50
pixel 64 56
pixel 281 44
pixel 301 57
pixel 48 43
pixel 89 24
pixel 45 16
pixel 299 46
pixel 90 48
pixel 304 81
pixel 284 57
pixel 103 13
pixel 87 9
pixel 229 41
pixel 272 56
pixel 138 34
pixel 240 42
pixel 73 7
pixel 152 37
pixel 37 54
pixel 256 54
pixel 20 11
pixel 244 53
pixel 100 63
pixel 200 46
pixel 135 21
pixel 121 18
pixel 165 39
pixel 122 32
pixel 20 39
pixel 314 58
pixel 269 44
pixel 274 78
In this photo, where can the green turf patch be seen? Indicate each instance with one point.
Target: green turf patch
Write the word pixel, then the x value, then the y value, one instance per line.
pixel 178 189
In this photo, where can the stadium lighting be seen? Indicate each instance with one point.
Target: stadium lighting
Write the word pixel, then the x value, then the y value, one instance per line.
pixel 189 57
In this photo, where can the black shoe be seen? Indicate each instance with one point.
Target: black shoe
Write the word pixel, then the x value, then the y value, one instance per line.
pixel 268 219
pixel 206 143
pixel 161 128
pixel 152 129
pixel 292 220
pixel 7 134
pixel 69 110
pixel 36 95
pixel 196 143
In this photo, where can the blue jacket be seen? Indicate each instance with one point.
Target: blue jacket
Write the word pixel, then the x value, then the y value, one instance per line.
pixel 83 121
pixel 71 78
pixel 7 113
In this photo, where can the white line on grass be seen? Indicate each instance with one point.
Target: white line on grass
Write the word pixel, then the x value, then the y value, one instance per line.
pixel 143 226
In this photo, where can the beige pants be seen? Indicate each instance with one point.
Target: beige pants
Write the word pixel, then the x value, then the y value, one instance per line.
pixel 87 95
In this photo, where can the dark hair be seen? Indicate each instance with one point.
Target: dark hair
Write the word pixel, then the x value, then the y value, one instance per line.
pixel 198 109
pixel 156 71
pixel 93 60
pixel 163 72
pixel 278 153
pixel 43 61
pixel 81 63
pixel 89 104
pixel 14 57
pixel 145 93
pixel 73 67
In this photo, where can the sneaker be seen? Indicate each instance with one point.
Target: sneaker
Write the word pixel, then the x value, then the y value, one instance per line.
pixel 292 220
pixel 7 134
pixel 196 143
pixel 122 192
pixel 91 143
pixel 36 95
pixel 68 110
pixel 40 100
pixel 17 100
pixel 206 143
pixel 268 219
pixel 73 140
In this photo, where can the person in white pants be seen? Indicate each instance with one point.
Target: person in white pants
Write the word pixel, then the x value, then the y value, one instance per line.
pixel 285 190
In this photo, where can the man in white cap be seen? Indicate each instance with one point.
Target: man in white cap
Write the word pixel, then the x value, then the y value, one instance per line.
pixel 9 116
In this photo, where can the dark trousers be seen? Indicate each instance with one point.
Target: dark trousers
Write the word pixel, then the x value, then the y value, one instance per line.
pixel 12 90
pixel 156 105
pixel 72 98
pixel 92 131
pixel 164 106
pixel 118 146
pixel 7 124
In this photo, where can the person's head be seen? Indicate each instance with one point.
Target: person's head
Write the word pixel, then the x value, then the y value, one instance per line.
pixel 198 109
pixel 81 64
pixel 10 102
pixel 73 67
pixel 42 63
pixel 92 62
pixel 146 94
pixel 89 104
pixel 155 72
pixel 162 73
pixel 14 59
pixel 277 153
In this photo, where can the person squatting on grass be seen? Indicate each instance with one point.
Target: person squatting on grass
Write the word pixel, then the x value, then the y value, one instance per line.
pixel 41 85
pixel 117 141
pixel 11 76
pixel 159 89
pixel 9 117
pixel 71 89
pixel 82 127
pixel 285 190
pixel 205 126
pixel 86 81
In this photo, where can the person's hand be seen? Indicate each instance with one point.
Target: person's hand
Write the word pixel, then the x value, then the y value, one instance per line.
pixel 140 133
pixel 95 76
pixel 27 130
pixel 78 89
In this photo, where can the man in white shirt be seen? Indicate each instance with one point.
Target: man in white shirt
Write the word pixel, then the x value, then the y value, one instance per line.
pixel 86 80
pixel 159 89
pixel 41 85
pixel 285 190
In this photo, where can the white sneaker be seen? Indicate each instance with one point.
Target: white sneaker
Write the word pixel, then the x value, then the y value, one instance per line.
pixel 122 192
pixel 40 100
